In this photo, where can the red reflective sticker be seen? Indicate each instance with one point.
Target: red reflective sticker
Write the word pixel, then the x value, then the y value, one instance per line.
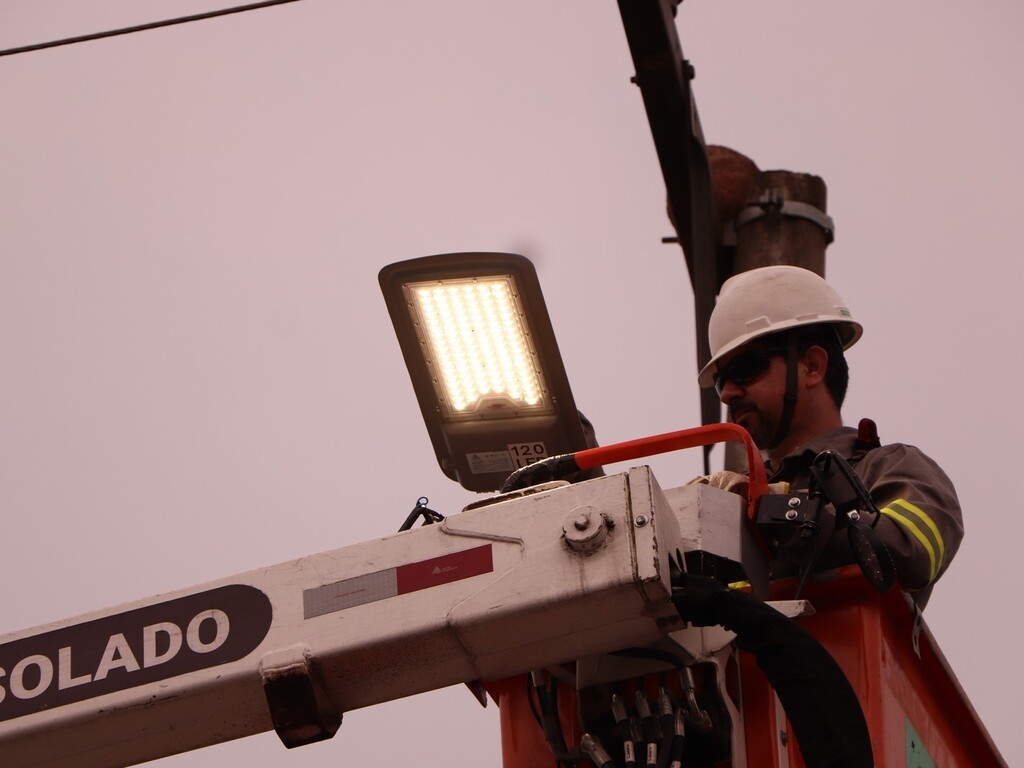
pixel 444 569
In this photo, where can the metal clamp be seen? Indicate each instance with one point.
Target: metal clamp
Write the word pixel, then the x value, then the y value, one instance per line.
pixel 773 201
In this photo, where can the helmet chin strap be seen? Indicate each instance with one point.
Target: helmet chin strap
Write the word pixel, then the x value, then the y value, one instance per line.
pixel 789 400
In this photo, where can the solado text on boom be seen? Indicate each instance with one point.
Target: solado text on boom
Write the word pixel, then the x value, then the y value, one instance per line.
pixel 117 655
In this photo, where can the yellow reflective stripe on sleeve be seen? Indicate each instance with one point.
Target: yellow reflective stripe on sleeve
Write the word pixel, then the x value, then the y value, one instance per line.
pixel 917 533
pixel 914 509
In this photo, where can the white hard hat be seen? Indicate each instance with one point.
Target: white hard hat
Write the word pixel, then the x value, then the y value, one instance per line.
pixel 771 299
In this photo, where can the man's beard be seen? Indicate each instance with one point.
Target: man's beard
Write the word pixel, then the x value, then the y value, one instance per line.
pixel 761 428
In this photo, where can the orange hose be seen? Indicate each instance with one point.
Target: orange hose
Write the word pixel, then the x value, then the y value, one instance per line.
pixel 675 441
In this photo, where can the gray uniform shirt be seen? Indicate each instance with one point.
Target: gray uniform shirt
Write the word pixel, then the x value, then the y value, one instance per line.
pixel 921 523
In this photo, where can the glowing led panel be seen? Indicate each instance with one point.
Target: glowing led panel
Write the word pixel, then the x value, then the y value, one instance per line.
pixel 478 347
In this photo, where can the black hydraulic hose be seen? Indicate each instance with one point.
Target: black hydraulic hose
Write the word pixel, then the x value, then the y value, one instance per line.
pixel 622 721
pixel 666 716
pixel 700 718
pixel 595 751
pixel 636 732
pixel 532 701
pixel 650 726
pixel 820 702
pixel 678 739
pixel 551 726
pixel 543 471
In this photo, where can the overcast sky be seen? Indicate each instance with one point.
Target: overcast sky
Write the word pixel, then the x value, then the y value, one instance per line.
pixel 198 376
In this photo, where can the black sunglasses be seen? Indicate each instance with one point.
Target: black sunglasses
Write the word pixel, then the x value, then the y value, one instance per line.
pixel 746 368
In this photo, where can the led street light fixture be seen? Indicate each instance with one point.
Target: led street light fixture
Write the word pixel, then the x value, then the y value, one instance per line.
pixel 474 333
pixel 484 363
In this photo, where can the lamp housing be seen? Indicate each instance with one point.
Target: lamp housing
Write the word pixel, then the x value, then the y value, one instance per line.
pixel 480 350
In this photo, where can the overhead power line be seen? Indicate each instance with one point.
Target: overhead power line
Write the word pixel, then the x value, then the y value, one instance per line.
pixel 144 27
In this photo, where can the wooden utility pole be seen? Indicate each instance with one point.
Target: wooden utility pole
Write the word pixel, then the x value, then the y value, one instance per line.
pixel 784 222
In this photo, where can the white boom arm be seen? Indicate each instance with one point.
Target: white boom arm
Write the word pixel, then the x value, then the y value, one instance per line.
pixel 521 583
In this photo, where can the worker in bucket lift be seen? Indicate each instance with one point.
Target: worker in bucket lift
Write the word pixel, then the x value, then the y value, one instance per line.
pixel 777 339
